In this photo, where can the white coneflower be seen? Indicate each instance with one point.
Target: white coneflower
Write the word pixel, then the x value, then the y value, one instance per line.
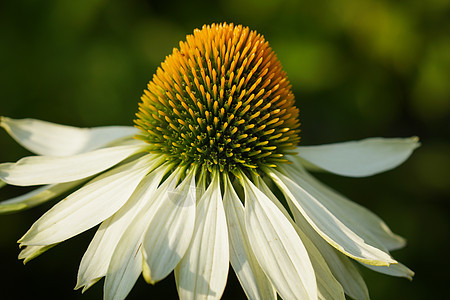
pixel 190 189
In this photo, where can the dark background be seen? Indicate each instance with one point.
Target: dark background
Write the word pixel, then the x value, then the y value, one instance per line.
pixel 358 69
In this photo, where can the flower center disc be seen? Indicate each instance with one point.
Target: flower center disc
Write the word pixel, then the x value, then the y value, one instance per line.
pixel 222 100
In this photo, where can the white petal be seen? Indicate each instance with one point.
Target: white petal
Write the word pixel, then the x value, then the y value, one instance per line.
pixel 398 270
pixel 126 265
pixel 45 138
pixel 362 221
pixel 202 273
pixel 309 202
pixel 340 265
pixel 30 252
pixel 359 158
pixel 327 286
pixel 90 205
pixel 35 170
pixel 255 283
pixel 97 257
pixel 201 184
pixel 170 231
pixel 37 196
pixel 277 247
pixel 95 262
pixel 345 271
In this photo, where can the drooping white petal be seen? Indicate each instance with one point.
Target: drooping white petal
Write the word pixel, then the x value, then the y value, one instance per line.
pixel 45 138
pixel 277 246
pixel 327 286
pixel 359 158
pixel 201 184
pixel 96 259
pixel 397 270
pixel 37 196
pixel 30 252
pixel 255 283
pixel 126 265
pixel 340 265
pixel 35 170
pixel 345 271
pixel 202 273
pixel 88 206
pixel 363 222
pixel 170 231
pixel 309 201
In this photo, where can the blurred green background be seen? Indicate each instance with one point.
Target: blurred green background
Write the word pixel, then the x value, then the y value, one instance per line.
pixel 358 69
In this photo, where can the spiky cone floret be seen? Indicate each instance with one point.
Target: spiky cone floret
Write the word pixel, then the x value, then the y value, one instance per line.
pixel 222 99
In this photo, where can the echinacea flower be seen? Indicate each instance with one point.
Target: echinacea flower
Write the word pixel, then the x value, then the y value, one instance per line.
pixel 211 174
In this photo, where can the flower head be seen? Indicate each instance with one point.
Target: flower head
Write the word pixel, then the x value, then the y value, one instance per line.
pixel 212 176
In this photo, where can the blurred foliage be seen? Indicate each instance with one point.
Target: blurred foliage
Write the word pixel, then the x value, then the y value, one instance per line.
pixel 358 69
